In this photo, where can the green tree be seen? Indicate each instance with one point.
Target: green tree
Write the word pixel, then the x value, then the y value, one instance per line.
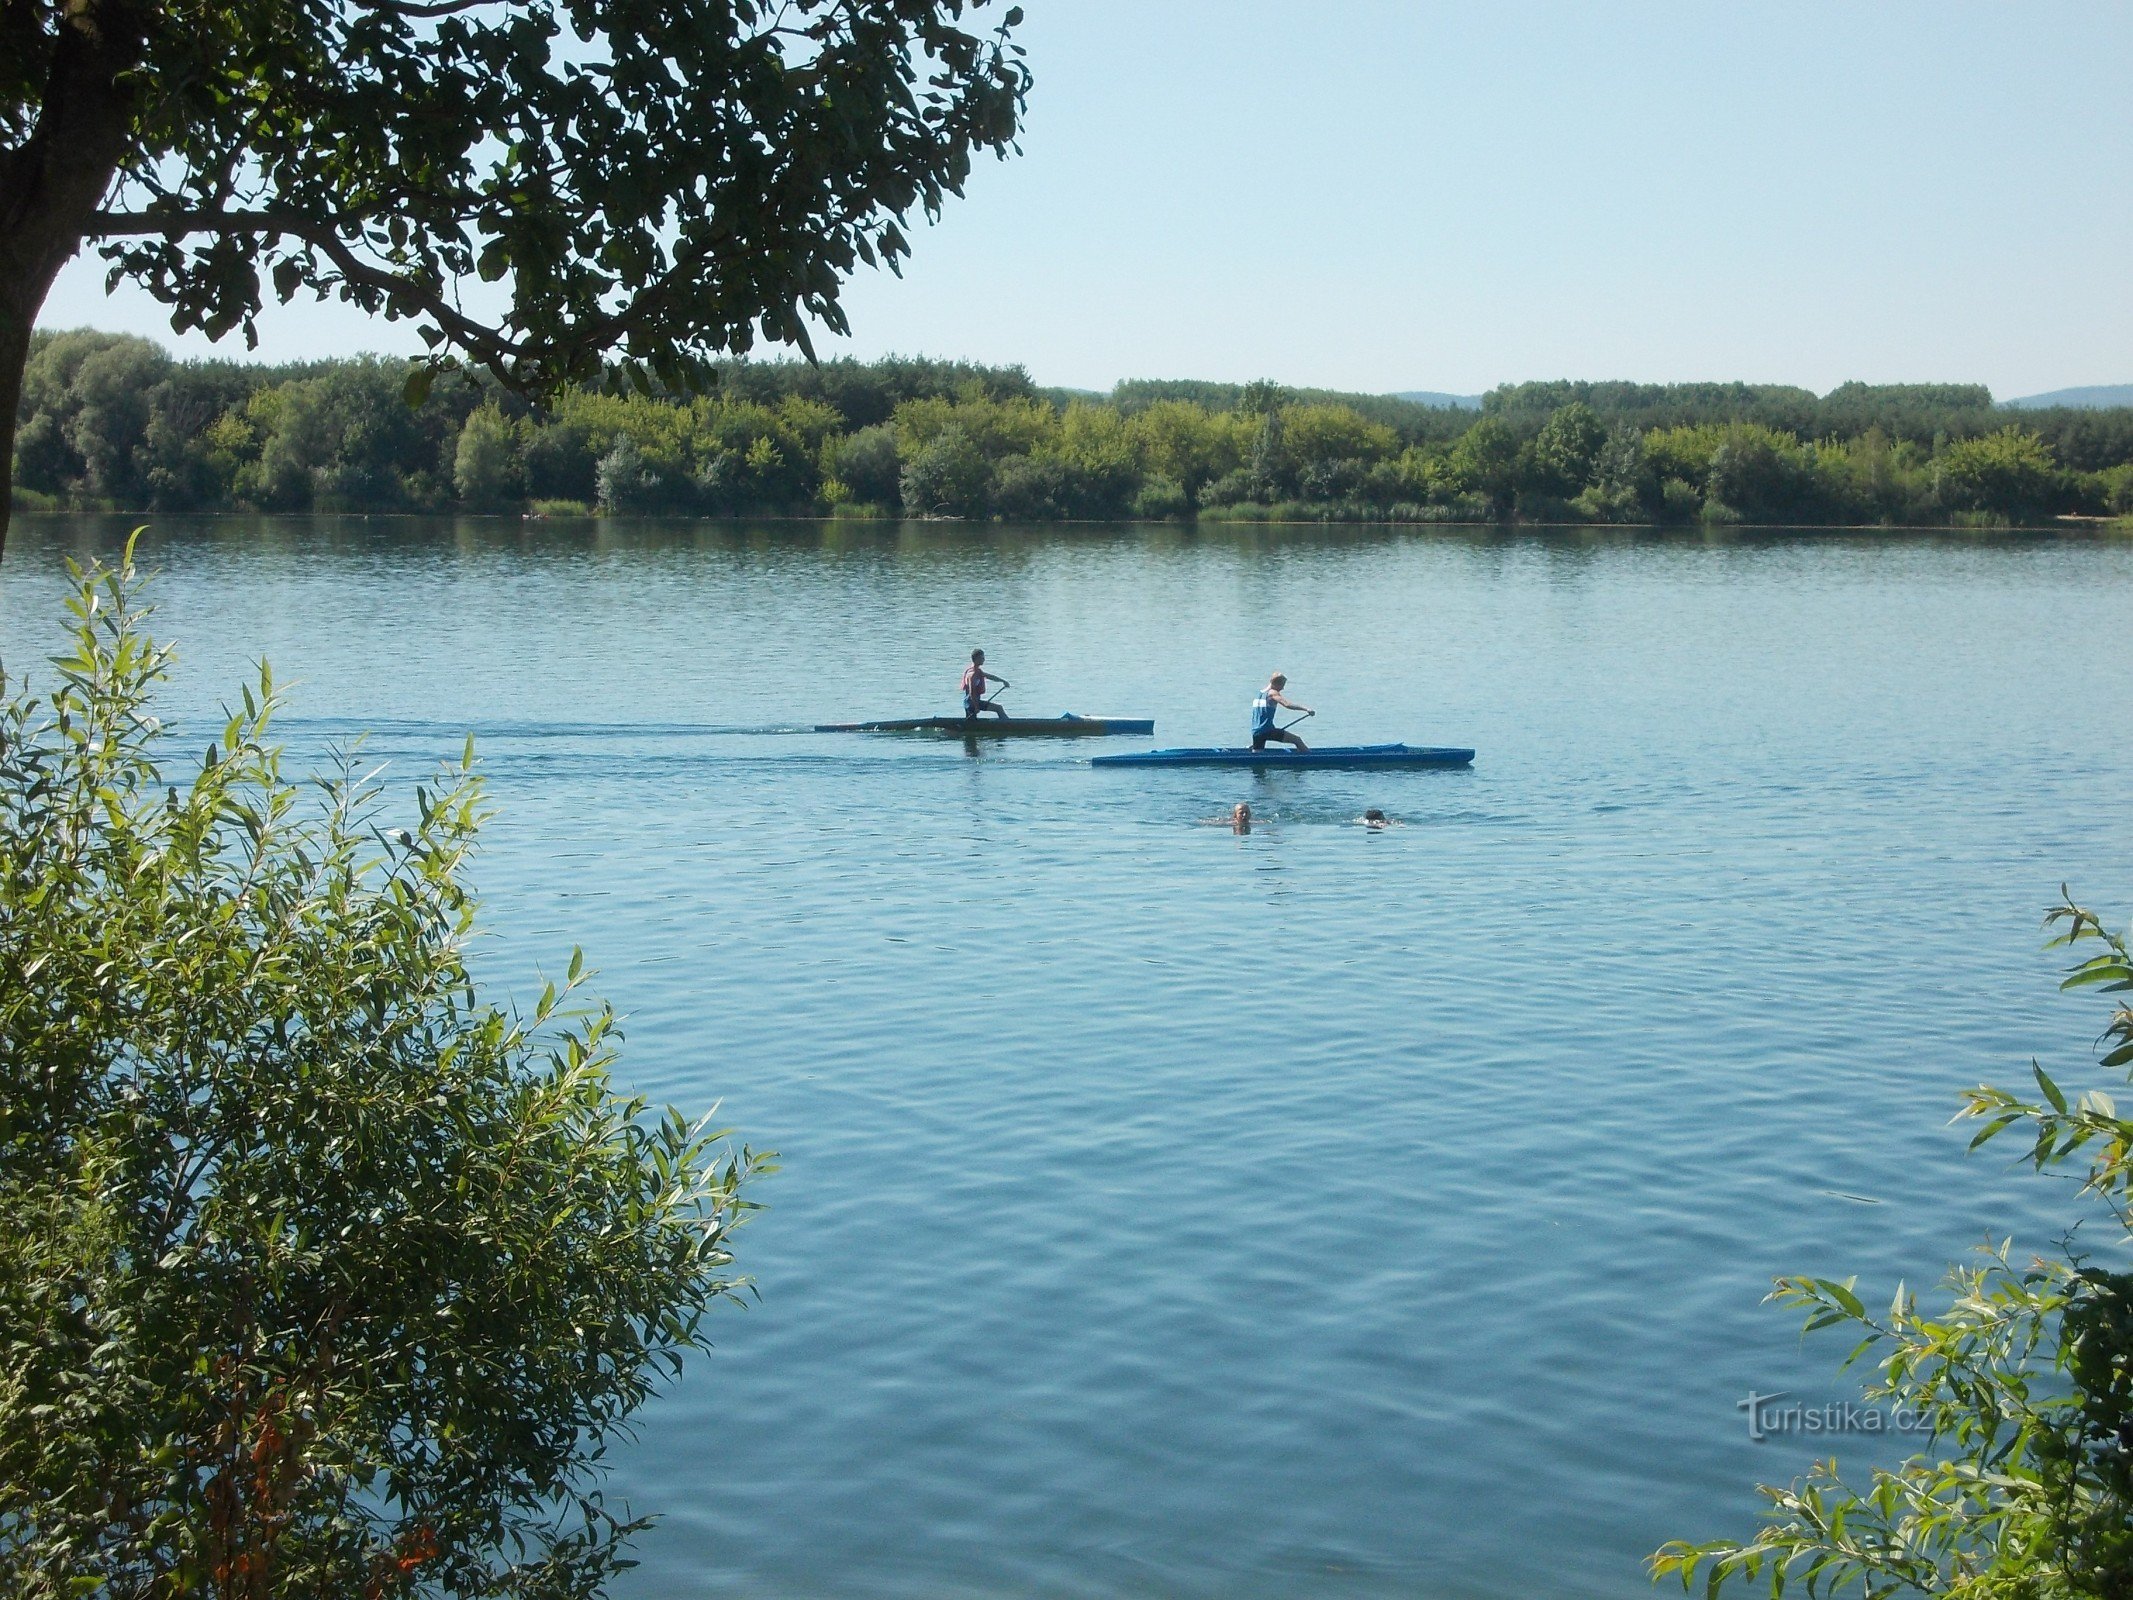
pixel 346 441
pixel 756 458
pixel 1685 452
pixel 1623 487
pixel 1873 479
pixel 1159 498
pixel 1327 449
pixel 488 464
pixel 869 466
pixel 1760 474
pixel 2010 472
pixel 997 427
pixel 666 178
pixel 1096 462
pixel 319 1272
pixel 1189 446
pixel 1485 462
pixel 1035 488
pixel 86 409
pixel 1268 471
pixel 627 482
pixel 2024 1375
pixel 2116 488
pixel 561 463
pixel 295 445
pixel 1565 455
pixel 186 469
pixel 948 477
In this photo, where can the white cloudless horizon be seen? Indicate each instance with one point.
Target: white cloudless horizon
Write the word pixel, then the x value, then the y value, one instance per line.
pixel 1383 195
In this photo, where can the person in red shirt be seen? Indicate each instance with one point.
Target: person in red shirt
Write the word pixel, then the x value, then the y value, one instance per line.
pixel 975 677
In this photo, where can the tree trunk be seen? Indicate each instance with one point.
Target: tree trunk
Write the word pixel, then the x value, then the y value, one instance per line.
pixel 52 184
pixel 14 351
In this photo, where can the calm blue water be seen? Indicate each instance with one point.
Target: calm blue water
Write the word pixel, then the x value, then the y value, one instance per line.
pixel 1168 1213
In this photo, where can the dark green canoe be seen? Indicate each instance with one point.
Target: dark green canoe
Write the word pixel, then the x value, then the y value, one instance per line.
pixel 1065 727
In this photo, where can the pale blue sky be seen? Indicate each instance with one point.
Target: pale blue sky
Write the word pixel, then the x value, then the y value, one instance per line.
pixel 1392 194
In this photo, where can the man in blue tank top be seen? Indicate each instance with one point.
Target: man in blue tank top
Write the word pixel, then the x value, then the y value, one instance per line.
pixel 1263 709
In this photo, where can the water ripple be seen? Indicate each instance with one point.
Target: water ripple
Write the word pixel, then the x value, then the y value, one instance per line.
pixel 1172 1212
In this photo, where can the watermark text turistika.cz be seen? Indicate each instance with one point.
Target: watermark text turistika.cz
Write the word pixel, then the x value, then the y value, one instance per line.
pixel 1769 1413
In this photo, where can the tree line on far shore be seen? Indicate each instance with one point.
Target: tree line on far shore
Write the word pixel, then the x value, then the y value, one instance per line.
pixel 112 422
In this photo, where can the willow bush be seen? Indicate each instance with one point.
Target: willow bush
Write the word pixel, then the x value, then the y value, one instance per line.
pixel 2022 1369
pixel 320 1274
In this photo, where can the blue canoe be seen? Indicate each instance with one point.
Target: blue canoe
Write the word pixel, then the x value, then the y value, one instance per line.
pixel 1332 755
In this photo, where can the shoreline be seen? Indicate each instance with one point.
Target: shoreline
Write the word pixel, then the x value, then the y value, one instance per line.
pixel 2061 525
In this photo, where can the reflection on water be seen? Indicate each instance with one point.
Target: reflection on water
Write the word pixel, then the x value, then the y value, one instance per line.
pixel 1171 1211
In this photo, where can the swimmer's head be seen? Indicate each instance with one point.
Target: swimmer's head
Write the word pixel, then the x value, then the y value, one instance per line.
pixel 1241 812
pixel 1373 815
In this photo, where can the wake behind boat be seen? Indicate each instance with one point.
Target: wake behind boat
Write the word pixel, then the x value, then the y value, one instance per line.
pixel 986 718
pixel 1329 755
pixel 1067 726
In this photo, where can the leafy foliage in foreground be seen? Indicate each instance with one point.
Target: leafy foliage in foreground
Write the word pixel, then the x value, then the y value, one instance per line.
pixel 2025 1375
pixel 662 179
pixel 318 1274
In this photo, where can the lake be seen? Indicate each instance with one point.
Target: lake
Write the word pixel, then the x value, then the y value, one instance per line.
pixel 1320 1212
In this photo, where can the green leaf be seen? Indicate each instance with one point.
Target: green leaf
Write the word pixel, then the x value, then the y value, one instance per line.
pixel 2111 971
pixel 1843 1295
pixel 1993 1127
pixel 2049 1089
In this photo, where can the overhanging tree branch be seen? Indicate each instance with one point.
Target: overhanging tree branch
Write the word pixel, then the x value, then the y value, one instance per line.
pixel 673 176
pixel 490 346
pixel 419 9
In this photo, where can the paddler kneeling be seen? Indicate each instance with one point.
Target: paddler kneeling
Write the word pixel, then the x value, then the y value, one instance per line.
pixel 975 677
pixel 1263 708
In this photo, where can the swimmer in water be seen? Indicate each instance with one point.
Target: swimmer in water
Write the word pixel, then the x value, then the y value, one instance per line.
pixel 1239 819
pixel 1375 819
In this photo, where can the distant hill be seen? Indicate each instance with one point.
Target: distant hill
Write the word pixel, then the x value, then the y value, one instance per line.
pixel 1430 397
pixel 2097 397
